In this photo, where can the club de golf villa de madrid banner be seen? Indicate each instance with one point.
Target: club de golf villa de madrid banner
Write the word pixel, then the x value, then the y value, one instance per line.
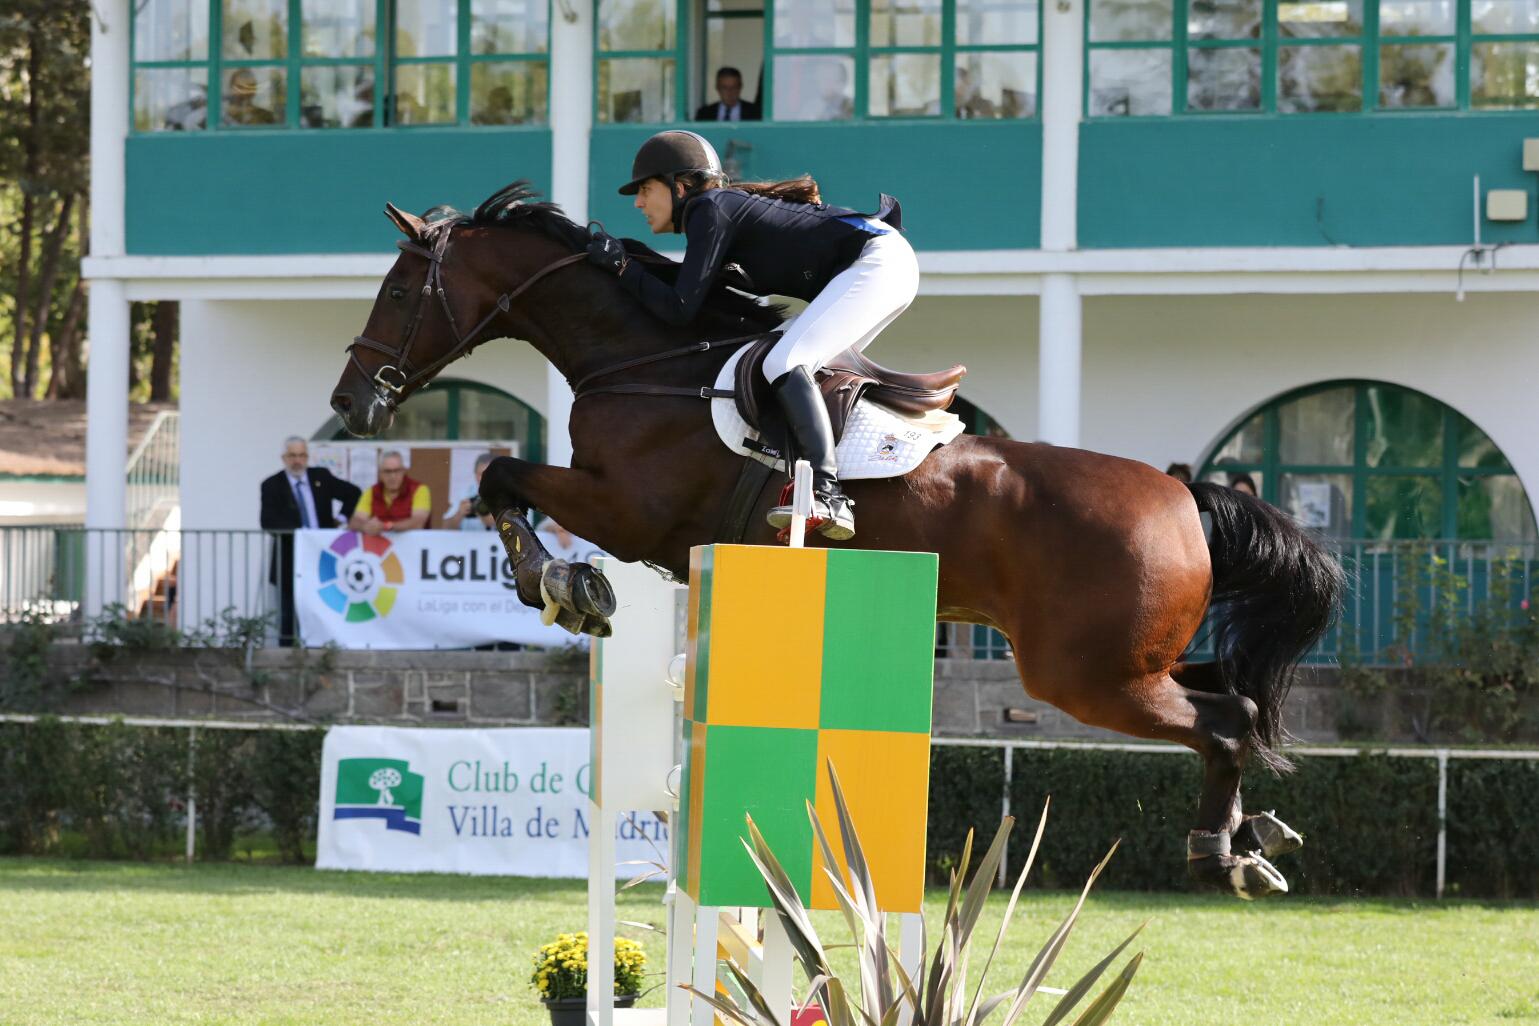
pixel 414 590
pixel 508 801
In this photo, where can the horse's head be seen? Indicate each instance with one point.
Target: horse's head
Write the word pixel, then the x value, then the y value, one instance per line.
pixel 437 304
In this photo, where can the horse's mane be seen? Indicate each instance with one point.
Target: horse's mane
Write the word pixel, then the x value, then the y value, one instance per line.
pixel 516 204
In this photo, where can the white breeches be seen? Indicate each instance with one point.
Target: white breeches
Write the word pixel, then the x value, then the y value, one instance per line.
pixel 852 309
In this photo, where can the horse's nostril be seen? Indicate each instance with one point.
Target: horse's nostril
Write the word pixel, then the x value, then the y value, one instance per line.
pixel 341 402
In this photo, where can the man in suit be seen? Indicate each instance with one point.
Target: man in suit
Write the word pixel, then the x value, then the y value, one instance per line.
pixel 299 497
pixel 731 106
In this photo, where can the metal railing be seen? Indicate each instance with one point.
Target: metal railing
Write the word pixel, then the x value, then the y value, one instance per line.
pixel 170 575
pixel 1398 593
pixel 154 472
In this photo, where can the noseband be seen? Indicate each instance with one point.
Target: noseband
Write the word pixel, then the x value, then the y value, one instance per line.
pixel 397 376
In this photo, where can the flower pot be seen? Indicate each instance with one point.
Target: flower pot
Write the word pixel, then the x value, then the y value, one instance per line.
pixel 574 1011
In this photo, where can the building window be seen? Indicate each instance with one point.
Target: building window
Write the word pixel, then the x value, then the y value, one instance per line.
pixel 461 411
pixel 330 64
pixel 1158 57
pixel 1365 460
pixel 821 60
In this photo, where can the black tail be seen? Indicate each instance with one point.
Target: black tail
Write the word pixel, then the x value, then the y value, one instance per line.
pixel 1275 592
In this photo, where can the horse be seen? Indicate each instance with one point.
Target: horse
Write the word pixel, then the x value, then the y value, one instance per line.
pixel 1098 570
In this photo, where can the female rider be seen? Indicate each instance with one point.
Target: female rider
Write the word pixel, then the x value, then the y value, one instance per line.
pixel 856 271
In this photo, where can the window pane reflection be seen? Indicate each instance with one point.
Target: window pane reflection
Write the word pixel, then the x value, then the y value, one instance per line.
pixel 996 85
pixel 1223 19
pixel 1495 17
pixel 1504 75
pixel 254 97
pixel 1320 502
pixel 996 22
pixel 256 30
pixel 636 24
pixel 636 89
pixel 818 88
pixel 488 417
pixel 905 23
pixel 905 85
pixel 1416 17
pixel 1318 428
pixel 1113 21
pixel 424 94
pixel 814 23
pixel 1416 75
pixel 1319 78
pixel 170 99
pixel 1246 444
pixel 1228 78
pixel 1320 19
pixel 1405 429
pixel 171 30
pixel 337 28
pixel 1403 507
pixel 508 93
pixel 1129 83
pixel 1476 449
pixel 426 28
pixel 509 26
pixel 1495 507
pixel 336 96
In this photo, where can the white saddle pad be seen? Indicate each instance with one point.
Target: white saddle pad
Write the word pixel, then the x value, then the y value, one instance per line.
pixel 877 442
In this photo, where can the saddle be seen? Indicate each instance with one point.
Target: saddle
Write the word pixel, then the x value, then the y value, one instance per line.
pixel 844 380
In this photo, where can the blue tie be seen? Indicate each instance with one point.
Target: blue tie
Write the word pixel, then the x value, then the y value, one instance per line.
pixel 304 515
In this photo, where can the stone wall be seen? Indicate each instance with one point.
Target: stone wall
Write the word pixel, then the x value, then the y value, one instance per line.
pixel 973 698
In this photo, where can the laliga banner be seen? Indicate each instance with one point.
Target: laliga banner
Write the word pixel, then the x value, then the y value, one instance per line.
pixel 510 802
pixel 414 590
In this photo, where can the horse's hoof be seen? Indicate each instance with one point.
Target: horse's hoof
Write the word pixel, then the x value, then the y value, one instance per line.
pixel 578 587
pixel 1245 876
pixel 1266 833
pixel 582 623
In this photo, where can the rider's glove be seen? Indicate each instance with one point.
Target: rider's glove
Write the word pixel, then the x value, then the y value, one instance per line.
pixel 606 251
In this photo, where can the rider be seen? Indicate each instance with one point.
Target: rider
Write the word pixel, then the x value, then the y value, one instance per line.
pixel 856 271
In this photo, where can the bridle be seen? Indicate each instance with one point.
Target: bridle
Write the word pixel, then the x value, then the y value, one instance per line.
pixel 396 377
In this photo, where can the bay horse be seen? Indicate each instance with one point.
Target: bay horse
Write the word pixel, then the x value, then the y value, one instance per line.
pixel 1097 569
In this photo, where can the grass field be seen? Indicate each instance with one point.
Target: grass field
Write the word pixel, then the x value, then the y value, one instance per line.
pixel 96 943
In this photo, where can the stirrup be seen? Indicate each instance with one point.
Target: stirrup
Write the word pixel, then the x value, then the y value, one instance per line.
pixel 833 516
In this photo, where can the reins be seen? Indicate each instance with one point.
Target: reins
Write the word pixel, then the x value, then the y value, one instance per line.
pixel 396 377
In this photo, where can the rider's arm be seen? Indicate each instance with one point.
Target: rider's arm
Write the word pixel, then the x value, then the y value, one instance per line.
pixel 707 234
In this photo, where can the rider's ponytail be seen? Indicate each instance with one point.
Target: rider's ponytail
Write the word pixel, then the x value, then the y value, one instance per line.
pixel 802 189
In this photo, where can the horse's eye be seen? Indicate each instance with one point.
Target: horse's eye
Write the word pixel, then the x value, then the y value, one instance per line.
pixel 396 292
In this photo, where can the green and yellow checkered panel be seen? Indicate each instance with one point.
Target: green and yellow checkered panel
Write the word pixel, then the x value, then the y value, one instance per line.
pixel 796 657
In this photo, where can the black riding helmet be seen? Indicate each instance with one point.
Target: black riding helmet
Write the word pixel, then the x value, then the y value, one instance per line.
pixel 667 155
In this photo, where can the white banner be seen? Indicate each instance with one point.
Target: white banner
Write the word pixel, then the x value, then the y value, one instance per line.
pixel 506 802
pixel 414 590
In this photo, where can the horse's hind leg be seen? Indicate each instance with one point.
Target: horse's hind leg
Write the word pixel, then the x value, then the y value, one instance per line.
pixel 1217 726
pixel 1262 831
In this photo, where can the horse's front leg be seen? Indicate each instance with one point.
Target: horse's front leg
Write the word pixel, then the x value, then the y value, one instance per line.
pixel 576 597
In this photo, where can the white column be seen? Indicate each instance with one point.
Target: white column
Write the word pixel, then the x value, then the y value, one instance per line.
pixel 1059 321
pixel 571 119
pixel 109 123
pixel 1058 361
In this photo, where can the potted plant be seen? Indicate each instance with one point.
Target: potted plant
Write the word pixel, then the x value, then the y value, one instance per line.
pixel 560 976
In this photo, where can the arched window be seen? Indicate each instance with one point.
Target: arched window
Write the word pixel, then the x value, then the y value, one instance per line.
pixel 1364 459
pixel 449 411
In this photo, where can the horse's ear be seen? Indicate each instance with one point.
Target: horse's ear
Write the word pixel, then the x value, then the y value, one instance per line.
pixel 410 224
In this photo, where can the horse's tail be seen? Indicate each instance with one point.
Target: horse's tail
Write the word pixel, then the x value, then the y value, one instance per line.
pixel 1275 591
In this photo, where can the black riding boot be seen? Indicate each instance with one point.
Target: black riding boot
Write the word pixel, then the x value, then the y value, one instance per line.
pixel 807 416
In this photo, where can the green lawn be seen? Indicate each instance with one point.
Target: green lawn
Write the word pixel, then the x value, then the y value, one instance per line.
pixel 91 942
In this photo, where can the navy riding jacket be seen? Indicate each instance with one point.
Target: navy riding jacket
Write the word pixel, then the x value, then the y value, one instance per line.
pixel 783 248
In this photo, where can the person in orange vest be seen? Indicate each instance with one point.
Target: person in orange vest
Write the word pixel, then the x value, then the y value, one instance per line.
pixel 397 502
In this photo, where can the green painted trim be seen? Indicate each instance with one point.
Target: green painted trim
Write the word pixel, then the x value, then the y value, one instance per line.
pixel 43 478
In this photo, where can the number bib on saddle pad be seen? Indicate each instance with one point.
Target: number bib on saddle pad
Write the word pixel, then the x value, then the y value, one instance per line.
pixel 877 441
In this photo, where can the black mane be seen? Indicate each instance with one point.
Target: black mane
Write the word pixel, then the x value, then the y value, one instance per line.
pixel 517 204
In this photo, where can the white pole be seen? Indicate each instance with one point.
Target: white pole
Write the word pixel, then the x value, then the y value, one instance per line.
pixel 1004 810
pixel 1058 360
pixel 910 954
pixel 1442 819
pixel 109 127
pixel 801 502
pixel 1063 38
pixel 601 915
pixel 706 926
pixel 192 792
pixel 776 984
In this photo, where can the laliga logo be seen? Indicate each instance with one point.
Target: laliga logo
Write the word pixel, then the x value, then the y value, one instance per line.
pixel 359 576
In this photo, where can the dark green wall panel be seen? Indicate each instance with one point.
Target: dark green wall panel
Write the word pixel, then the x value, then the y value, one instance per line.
pixel 1298 181
pixel 970 185
pixel 311 192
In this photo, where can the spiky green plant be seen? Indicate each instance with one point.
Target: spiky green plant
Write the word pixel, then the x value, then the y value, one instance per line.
pixel 940 993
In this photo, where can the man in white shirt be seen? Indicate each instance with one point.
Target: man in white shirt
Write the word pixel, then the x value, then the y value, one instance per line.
pixel 730 106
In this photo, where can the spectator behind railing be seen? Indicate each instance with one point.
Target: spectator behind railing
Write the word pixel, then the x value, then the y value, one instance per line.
pixel 397 502
pixel 1181 472
pixel 464 517
pixel 297 497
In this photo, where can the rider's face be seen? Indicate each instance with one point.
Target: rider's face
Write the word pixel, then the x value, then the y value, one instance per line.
pixel 656 205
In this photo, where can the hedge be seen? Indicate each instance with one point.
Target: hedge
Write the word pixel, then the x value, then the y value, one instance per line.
pixel 1369 821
